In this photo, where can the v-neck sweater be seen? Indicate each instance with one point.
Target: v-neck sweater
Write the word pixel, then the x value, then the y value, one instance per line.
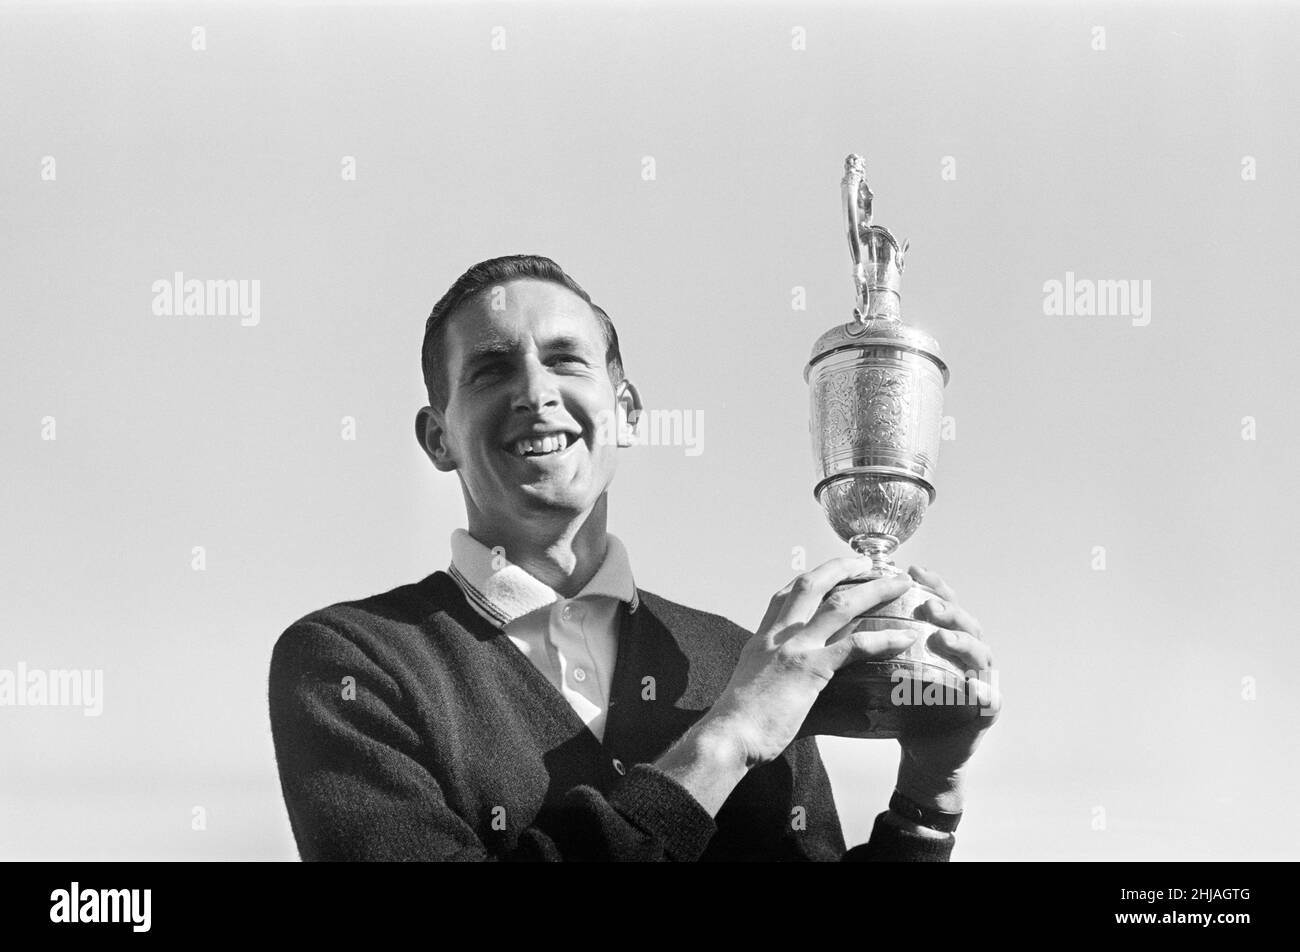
pixel 408 727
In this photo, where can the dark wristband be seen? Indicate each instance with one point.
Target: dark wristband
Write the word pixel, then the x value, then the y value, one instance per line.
pixel 934 819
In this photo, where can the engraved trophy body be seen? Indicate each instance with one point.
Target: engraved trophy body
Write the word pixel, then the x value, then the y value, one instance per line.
pixel 876 389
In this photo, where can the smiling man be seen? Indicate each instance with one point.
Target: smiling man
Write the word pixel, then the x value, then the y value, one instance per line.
pixel 532 702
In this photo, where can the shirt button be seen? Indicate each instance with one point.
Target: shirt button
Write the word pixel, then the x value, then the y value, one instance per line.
pixel 579 675
pixel 619 768
pixel 567 612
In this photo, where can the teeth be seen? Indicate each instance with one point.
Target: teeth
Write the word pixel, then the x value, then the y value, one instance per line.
pixel 540 446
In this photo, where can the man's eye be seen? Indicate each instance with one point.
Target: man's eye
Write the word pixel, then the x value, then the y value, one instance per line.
pixel 487 370
pixel 567 359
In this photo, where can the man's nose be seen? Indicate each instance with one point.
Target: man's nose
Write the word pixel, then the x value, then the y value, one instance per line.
pixel 536 389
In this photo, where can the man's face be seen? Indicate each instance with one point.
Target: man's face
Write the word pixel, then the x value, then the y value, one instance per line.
pixel 528 395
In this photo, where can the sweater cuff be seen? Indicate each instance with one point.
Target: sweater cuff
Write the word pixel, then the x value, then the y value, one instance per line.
pixel 660 806
pixel 892 844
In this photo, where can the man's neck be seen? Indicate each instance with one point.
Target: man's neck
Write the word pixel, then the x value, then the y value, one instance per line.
pixel 564 554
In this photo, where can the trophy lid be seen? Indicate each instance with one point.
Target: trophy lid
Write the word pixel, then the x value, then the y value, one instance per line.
pixel 890 333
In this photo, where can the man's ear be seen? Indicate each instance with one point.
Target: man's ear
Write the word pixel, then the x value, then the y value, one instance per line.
pixel 430 430
pixel 629 411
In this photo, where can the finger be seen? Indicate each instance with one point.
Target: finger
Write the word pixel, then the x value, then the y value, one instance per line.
pixel 849 601
pixel 961 648
pixel 933 579
pixel 952 616
pixel 804 594
pixel 981 688
pixel 987 695
pixel 985 689
pixel 773 608
pixel 865 645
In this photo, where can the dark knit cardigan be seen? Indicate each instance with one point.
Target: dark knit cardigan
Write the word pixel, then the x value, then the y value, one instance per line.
pixel 407 727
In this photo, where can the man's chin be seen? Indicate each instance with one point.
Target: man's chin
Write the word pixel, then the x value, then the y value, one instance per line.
pixel 555 498
pixel 546 500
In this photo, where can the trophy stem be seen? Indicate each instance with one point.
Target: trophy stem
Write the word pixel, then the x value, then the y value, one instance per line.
pixel 880 548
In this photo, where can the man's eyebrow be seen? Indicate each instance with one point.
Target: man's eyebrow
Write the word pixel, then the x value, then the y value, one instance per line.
pixel 502 347
pixel 487 349
pixel 566 342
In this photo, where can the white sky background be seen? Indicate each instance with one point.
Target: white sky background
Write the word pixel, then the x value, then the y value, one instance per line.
pixel 1124 686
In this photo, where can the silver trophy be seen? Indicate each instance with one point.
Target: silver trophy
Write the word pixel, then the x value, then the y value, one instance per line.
pixel 877 406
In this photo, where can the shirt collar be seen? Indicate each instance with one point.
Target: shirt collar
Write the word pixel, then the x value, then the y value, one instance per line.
pixel 501 591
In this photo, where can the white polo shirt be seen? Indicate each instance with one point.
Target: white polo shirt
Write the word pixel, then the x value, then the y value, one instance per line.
pixel 572 641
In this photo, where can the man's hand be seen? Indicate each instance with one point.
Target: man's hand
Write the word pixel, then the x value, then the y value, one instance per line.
pixel 930 771
pixel 801 642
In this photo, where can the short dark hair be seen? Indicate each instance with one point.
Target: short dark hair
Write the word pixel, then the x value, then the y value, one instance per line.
pixel 487 274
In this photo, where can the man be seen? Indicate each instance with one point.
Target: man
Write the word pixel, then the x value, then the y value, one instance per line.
pixel 531 702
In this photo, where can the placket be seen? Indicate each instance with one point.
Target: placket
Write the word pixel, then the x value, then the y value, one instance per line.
pixel 580 677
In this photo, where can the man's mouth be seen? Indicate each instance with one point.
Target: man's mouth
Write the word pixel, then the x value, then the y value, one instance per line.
pixel 550 444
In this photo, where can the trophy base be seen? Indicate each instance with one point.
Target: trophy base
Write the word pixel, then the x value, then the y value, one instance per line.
pixel 912 694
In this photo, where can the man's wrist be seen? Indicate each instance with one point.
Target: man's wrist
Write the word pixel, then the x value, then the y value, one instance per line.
pixel 716 742
pixel 708 760
pixel 942 794
pixel 911 826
